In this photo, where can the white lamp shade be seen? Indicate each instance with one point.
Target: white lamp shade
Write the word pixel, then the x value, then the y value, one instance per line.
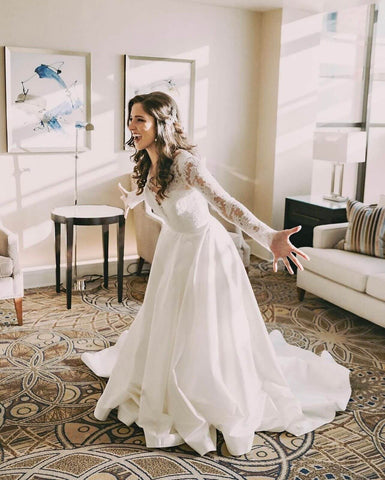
pixel 339 147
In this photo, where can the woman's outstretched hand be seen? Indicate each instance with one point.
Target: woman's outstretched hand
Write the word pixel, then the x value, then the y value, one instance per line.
pixel 282 248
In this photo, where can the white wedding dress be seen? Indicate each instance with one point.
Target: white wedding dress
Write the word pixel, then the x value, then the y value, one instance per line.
pixel 198 357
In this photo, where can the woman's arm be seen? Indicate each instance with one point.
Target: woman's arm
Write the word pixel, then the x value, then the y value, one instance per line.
pixel 196 175
pixel 130 199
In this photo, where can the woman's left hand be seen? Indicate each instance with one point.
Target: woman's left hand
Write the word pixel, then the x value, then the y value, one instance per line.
pixel 282 248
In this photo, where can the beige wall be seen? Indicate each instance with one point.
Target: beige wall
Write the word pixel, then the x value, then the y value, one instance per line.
pixel 223 41
pixel 287 93
pixel 297 107
pixel 270 46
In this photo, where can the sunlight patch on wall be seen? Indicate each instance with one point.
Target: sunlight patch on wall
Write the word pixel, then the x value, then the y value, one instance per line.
pixel 8 188
pixel 36 233
pixel 299 28
pixel 201 103
pixel 202 59
pixel 299 67
pixel 94 176
pixel 294 139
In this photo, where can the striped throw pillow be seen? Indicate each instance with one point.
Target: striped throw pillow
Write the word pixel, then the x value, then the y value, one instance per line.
pixel 366 229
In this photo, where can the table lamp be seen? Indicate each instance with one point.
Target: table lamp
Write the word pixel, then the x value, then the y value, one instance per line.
pixel 339 147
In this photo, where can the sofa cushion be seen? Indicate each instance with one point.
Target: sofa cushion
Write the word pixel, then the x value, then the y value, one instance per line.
pixel 376 286
pixel 347 268
pixel 366 229
pixel 6 267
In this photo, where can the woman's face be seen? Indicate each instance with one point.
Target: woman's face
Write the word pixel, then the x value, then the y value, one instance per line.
pixel 142 127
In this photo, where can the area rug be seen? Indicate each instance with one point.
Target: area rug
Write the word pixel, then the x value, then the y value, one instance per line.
pixel 47 396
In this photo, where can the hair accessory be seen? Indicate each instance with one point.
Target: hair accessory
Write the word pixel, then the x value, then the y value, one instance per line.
pixel 172 118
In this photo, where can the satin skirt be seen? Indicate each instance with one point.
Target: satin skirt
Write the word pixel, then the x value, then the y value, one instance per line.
pixel 198 357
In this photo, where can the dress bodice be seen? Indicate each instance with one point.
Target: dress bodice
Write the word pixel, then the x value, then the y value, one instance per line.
pixel 185 208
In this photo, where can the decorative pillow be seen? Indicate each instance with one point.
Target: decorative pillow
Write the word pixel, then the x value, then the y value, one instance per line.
pixel 366 229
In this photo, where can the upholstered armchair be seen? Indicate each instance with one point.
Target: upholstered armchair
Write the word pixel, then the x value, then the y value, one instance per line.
pixel 11 277
pixel 147 229
pixel 148 225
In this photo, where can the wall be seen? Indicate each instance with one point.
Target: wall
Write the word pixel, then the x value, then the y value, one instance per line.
pixel 288 82
pixel 270 46
pixel 268 77
pixel 224 43
pixel 297 107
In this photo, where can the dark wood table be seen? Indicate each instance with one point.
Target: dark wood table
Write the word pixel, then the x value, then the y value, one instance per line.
pixel 103 215
pixel 310 211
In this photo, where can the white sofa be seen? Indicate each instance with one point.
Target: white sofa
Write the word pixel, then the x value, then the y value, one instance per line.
pixel 350 280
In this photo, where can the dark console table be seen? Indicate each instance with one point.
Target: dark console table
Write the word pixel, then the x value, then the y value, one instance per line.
pixel 310 211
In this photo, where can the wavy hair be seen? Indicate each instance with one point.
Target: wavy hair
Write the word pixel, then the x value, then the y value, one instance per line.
pixel 170 138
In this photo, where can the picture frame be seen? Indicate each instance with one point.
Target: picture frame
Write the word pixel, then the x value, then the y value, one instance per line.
pixel 174 76
pixel 48 92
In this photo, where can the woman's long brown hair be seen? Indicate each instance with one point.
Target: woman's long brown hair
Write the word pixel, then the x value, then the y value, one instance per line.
pixel 170 138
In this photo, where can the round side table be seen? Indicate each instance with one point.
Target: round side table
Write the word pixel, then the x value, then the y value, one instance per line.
pixel 103 215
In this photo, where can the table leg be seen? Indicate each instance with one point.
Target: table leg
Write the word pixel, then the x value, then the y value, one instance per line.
pixel 57 254
pixel 105 229
pixel 121 231
pixel 70 238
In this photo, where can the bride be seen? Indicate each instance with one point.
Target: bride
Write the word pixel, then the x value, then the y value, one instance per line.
pixel 198 357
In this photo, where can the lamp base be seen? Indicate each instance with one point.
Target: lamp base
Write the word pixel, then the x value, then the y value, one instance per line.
pixel 335 198
pixel 86 284
pixel 79 285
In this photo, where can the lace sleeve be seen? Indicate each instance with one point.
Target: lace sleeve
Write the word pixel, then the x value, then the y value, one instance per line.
pixel 130 199
pixel 196 175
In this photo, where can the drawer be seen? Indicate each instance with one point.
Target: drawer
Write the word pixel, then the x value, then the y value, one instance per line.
pixel 304 219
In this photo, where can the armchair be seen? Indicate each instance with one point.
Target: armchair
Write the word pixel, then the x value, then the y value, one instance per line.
pixel 147 229
pixel 11 277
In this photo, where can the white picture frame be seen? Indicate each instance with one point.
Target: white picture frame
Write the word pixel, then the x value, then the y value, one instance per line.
pixel 173 76
pixel 47 93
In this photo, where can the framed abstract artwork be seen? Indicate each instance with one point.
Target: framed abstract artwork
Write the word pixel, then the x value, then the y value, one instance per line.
pixel 47 94
pixel 174 76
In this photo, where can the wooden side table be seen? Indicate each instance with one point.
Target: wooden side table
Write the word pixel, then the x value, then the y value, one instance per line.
pixel 103 215
pixel 310 211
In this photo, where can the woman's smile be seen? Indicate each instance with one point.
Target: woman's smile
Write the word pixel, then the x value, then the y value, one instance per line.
pixel 142 127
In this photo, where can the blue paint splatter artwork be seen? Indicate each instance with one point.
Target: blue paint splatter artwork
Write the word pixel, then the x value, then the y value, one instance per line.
pixel 47 93
pixel 51 119
pixel 45 71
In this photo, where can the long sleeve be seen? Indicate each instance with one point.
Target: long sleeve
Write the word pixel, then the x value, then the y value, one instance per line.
pixel 130 199
pixel 196 175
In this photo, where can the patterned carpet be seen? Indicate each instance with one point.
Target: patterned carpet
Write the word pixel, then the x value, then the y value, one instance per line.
pixel 47 396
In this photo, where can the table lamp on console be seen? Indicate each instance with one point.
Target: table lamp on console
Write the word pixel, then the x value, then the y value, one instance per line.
pixel 339 147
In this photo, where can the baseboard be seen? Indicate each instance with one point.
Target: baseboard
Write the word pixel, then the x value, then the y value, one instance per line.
pixel 44 276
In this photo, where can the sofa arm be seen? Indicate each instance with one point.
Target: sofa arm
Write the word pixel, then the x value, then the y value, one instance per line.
pixel 9 246
pixel 326 236
pixel 4 235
